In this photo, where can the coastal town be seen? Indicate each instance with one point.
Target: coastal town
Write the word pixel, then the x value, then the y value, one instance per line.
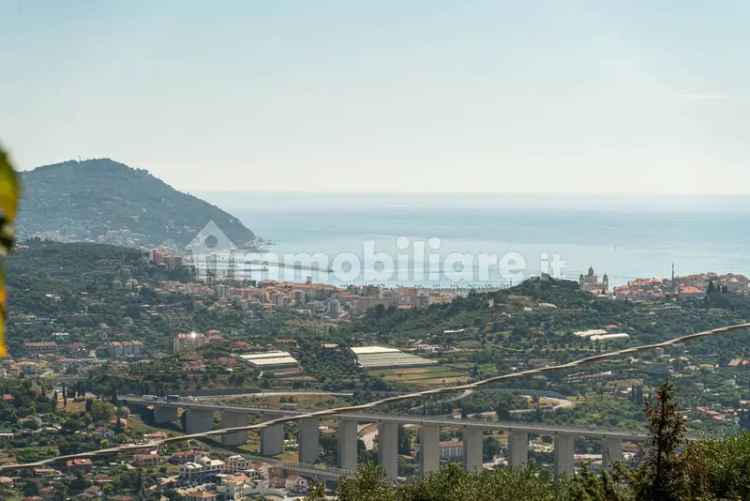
pixel 111 385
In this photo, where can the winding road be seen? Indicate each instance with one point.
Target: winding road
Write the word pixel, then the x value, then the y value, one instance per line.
pixel 388 400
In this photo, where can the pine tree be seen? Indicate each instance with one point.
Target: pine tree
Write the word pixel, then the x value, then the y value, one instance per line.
pixel 662 474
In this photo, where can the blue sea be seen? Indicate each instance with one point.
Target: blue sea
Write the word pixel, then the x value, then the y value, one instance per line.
pixel 625 237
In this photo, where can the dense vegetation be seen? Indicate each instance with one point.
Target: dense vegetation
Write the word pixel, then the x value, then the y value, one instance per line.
pixel 516 315
pixel 82 289
pixel 106 201
pixel 47 423
pixel 98 293
pixel 494 333
pixel 671 470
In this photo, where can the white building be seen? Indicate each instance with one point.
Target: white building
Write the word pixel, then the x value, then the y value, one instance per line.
pixel 201 469
pixel 189 341
pixel 270 360
pixel 621 336
pixel 590 332
pixel 237 463
pixel 234 487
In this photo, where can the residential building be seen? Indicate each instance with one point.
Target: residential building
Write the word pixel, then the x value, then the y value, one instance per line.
pixel 182 457
pixel 41 347
pixel 79 464
pixel 189 341
pixel 236 464
pixel 201 469
pixel 234 487
pixel 147 460
pixel 451 449
pixel 126 349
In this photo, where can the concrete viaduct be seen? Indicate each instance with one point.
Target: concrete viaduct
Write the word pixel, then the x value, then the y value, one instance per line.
pixel 199 418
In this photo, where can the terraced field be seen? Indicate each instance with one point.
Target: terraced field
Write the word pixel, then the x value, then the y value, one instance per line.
pixel 421 376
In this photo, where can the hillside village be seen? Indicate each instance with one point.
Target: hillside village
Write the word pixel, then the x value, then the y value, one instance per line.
pixel 142 325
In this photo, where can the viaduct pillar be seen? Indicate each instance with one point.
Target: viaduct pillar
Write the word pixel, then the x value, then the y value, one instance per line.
pixel 272 440
pixel 611 451
pixel 429 437
pixel 164 414
pixel 388 449
pixel 518 443
pixel 564 454
pixel 346 447
pixel 309 440
pixel 198 421
pixel 473 438
pixel 234 420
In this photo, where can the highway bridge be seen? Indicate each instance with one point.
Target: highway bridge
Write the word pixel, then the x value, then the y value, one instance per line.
pixel 199 419
pixel 236 418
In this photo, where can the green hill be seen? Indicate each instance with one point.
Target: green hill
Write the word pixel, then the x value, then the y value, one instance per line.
pixel 105 201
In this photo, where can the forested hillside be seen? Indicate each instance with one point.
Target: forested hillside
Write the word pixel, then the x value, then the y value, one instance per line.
pixel 106 201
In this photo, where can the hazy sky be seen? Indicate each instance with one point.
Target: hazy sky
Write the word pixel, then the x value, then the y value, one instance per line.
pixel 475 96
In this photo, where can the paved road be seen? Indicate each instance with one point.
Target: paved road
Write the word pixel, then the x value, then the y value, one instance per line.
pixel 370 417
pixel 271 394
pixel 351 409
pixel 192 404
pixel 465 394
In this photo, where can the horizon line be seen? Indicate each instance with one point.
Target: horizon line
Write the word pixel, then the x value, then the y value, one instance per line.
pixel 471 193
